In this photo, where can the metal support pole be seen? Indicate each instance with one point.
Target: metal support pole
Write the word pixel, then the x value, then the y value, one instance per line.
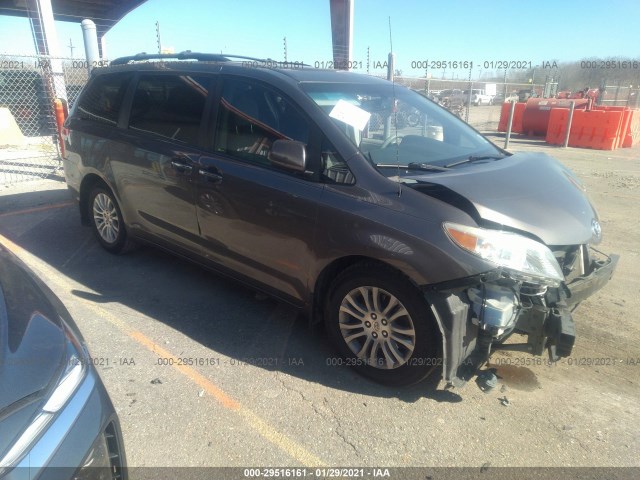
pixel 341 31
pixel 391 67
pixel 504 85
pixel 572 107
pixel 508 136
pixel 90 36
pixel 46 40
pixel 103 48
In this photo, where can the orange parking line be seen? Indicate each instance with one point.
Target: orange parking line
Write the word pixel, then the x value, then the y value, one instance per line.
pixel 37 209
pixel 189 372
pixel 264 429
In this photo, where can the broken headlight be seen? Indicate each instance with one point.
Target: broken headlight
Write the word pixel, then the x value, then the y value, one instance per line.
pixel 524 259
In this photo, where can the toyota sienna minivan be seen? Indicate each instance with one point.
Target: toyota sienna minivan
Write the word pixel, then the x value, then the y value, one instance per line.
pixel 418 246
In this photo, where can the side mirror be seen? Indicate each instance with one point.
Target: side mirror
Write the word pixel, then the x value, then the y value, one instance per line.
pixel 289 154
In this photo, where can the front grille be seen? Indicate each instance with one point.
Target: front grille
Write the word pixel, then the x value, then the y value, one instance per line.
pixel 115 457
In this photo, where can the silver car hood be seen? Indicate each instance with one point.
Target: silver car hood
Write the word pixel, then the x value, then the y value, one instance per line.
pixel 531 192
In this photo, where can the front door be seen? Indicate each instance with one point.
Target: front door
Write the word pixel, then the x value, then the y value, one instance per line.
pixel 255 218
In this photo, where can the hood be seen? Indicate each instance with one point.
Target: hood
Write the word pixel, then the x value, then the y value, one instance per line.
pixel 531 192
pixel 32 346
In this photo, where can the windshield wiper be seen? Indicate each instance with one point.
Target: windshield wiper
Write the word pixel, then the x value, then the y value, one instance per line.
pixel 473 159
pixel 425 166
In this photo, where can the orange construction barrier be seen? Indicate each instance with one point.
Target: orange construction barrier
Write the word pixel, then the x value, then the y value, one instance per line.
pixel 624 125
pixel 60 118
pixel 597 129
pixel 516 126
pixel 603 128
pixel 557 128
pixel 631 137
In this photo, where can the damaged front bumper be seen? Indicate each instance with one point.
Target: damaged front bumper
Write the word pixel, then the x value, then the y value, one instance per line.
pixel 477 314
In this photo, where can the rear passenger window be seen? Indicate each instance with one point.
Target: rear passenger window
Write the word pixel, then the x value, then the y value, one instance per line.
pixel 170 106
pixel 252 117
pixel 103 98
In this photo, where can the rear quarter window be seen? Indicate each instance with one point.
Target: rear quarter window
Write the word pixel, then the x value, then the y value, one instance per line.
pixel 102 100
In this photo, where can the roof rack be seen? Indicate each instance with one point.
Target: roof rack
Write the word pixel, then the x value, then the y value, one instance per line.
pixel 186 55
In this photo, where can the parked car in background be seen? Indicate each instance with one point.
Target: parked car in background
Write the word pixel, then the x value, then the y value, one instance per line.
pixel 56 419
pixel 432 95
pixel 447 95
pixel 500 98
pixel 525 94
pixel 418 244
pixel 475 96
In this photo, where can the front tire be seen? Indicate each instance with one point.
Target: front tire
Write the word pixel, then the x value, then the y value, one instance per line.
pixel 381 325
pixel 107 222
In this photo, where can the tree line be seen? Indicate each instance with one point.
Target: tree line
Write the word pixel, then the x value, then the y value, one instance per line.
pixel 590 72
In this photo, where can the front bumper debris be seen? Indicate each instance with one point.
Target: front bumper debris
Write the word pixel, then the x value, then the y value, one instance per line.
pixel 476 315
pixel 584 287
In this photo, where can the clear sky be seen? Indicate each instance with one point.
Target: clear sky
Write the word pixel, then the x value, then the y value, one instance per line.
pixel 450 30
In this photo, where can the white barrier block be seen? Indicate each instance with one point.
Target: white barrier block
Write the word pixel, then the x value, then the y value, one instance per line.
pixel 10 133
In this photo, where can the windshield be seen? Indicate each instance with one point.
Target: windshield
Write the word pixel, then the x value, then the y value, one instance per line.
pixel 402 129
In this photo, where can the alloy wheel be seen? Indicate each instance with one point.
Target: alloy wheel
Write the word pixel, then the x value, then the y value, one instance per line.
pixel 106 218
pixel 377 327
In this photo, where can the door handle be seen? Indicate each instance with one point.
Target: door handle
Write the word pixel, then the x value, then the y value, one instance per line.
pixel 181 166
pixel 210 176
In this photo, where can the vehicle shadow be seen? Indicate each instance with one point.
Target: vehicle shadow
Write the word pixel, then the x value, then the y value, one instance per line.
pixel 221 315
pixel 14 203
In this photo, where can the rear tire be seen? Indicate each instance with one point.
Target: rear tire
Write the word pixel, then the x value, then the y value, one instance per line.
pixel 382 326
pixel 107 222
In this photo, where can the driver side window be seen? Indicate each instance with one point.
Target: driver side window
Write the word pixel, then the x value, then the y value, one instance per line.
pixel 252 117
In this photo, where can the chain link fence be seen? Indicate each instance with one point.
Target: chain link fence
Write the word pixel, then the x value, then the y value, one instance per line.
pixel 621 95
pixel 484 116
pixel 28 133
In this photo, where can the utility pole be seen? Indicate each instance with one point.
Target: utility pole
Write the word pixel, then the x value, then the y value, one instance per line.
pixel 158 37
pixel 285 48
pixel 71 47
pixel 368 58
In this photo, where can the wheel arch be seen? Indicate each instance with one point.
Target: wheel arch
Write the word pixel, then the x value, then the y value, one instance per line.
pixel 86 186
pixel 332 270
